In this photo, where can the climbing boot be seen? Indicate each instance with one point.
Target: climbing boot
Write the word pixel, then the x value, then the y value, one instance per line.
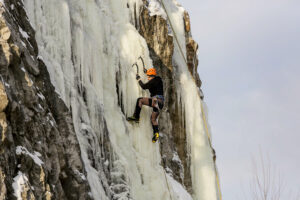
pixel 133 119
pixel 155 137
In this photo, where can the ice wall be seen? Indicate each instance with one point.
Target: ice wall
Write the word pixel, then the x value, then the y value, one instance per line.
pixel 202 167
pixel 89 47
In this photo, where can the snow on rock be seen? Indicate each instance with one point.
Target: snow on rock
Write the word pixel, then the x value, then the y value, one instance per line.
pixel 35 156
pixel 19 185
pixel 24 34
pixel 41 96
pixel 82 176
pixel 156 8
pixel 176 157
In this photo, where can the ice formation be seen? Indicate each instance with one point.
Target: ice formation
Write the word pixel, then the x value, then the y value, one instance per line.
pixel 84 45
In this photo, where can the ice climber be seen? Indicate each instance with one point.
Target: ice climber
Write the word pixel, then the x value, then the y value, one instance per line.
pixel 156 101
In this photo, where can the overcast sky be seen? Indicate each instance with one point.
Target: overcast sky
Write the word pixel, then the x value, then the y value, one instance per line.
pixel 249 63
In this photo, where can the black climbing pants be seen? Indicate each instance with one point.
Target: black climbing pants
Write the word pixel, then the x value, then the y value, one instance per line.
pixel 155 103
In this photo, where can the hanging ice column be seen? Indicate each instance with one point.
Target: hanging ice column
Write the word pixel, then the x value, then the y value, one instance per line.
pixel 204 177
pixel 89 47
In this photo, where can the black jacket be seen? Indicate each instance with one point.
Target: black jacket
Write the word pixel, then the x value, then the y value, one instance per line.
pixel 155 86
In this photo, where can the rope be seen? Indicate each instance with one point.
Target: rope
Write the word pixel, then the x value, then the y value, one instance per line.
pixel 203 115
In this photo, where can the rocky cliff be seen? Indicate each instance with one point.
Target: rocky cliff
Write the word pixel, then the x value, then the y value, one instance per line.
pixel 67 86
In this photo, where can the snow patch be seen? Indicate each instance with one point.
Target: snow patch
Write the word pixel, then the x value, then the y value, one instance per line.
pixel 41 96
pixel 35 156
pixel 20 181
pixel 24 34
pixel 156 8
pixel 176 157
pixel 6 84
pixel 23 43
pixel 40 107
pixel 51 122
pixel 82 176
pixel 40 57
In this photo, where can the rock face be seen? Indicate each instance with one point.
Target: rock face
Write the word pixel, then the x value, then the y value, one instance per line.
pixel 191 47
pixel 77 144
pixel 155 31
pixel 39 151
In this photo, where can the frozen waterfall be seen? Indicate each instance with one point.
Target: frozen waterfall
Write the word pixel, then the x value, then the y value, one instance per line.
pixel 89 47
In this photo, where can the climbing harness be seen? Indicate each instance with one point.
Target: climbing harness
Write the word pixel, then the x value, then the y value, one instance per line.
pixel 203 115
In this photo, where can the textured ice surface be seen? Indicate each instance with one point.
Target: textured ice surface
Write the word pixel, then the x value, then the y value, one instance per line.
pixel 87 46
pixel 179 193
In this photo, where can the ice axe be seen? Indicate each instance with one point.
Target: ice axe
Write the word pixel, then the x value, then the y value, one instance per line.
pixel 144 68
pixel 137 68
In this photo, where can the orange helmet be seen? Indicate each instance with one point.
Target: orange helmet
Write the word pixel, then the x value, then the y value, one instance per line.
pixel 151 72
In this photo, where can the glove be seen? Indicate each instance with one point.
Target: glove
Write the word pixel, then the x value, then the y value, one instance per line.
pixel 138 77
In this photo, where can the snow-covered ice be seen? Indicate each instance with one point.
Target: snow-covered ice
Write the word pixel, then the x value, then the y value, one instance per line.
pixel 179 192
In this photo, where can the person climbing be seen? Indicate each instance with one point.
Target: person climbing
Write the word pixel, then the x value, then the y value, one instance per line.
pixel 156 100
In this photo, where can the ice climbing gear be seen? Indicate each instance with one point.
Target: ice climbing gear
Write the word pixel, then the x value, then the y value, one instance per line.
pixel 155 129
pixel 160 97
pixel 137 68
pixel 133 119
pixel 137 111
pixel 151 72
pixel 155 133
pixel 155 137
pixel 138 77
pixel 144 68
pixel 159 102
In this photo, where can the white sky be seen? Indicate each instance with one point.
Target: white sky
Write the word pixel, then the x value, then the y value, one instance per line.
pixel 249 62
